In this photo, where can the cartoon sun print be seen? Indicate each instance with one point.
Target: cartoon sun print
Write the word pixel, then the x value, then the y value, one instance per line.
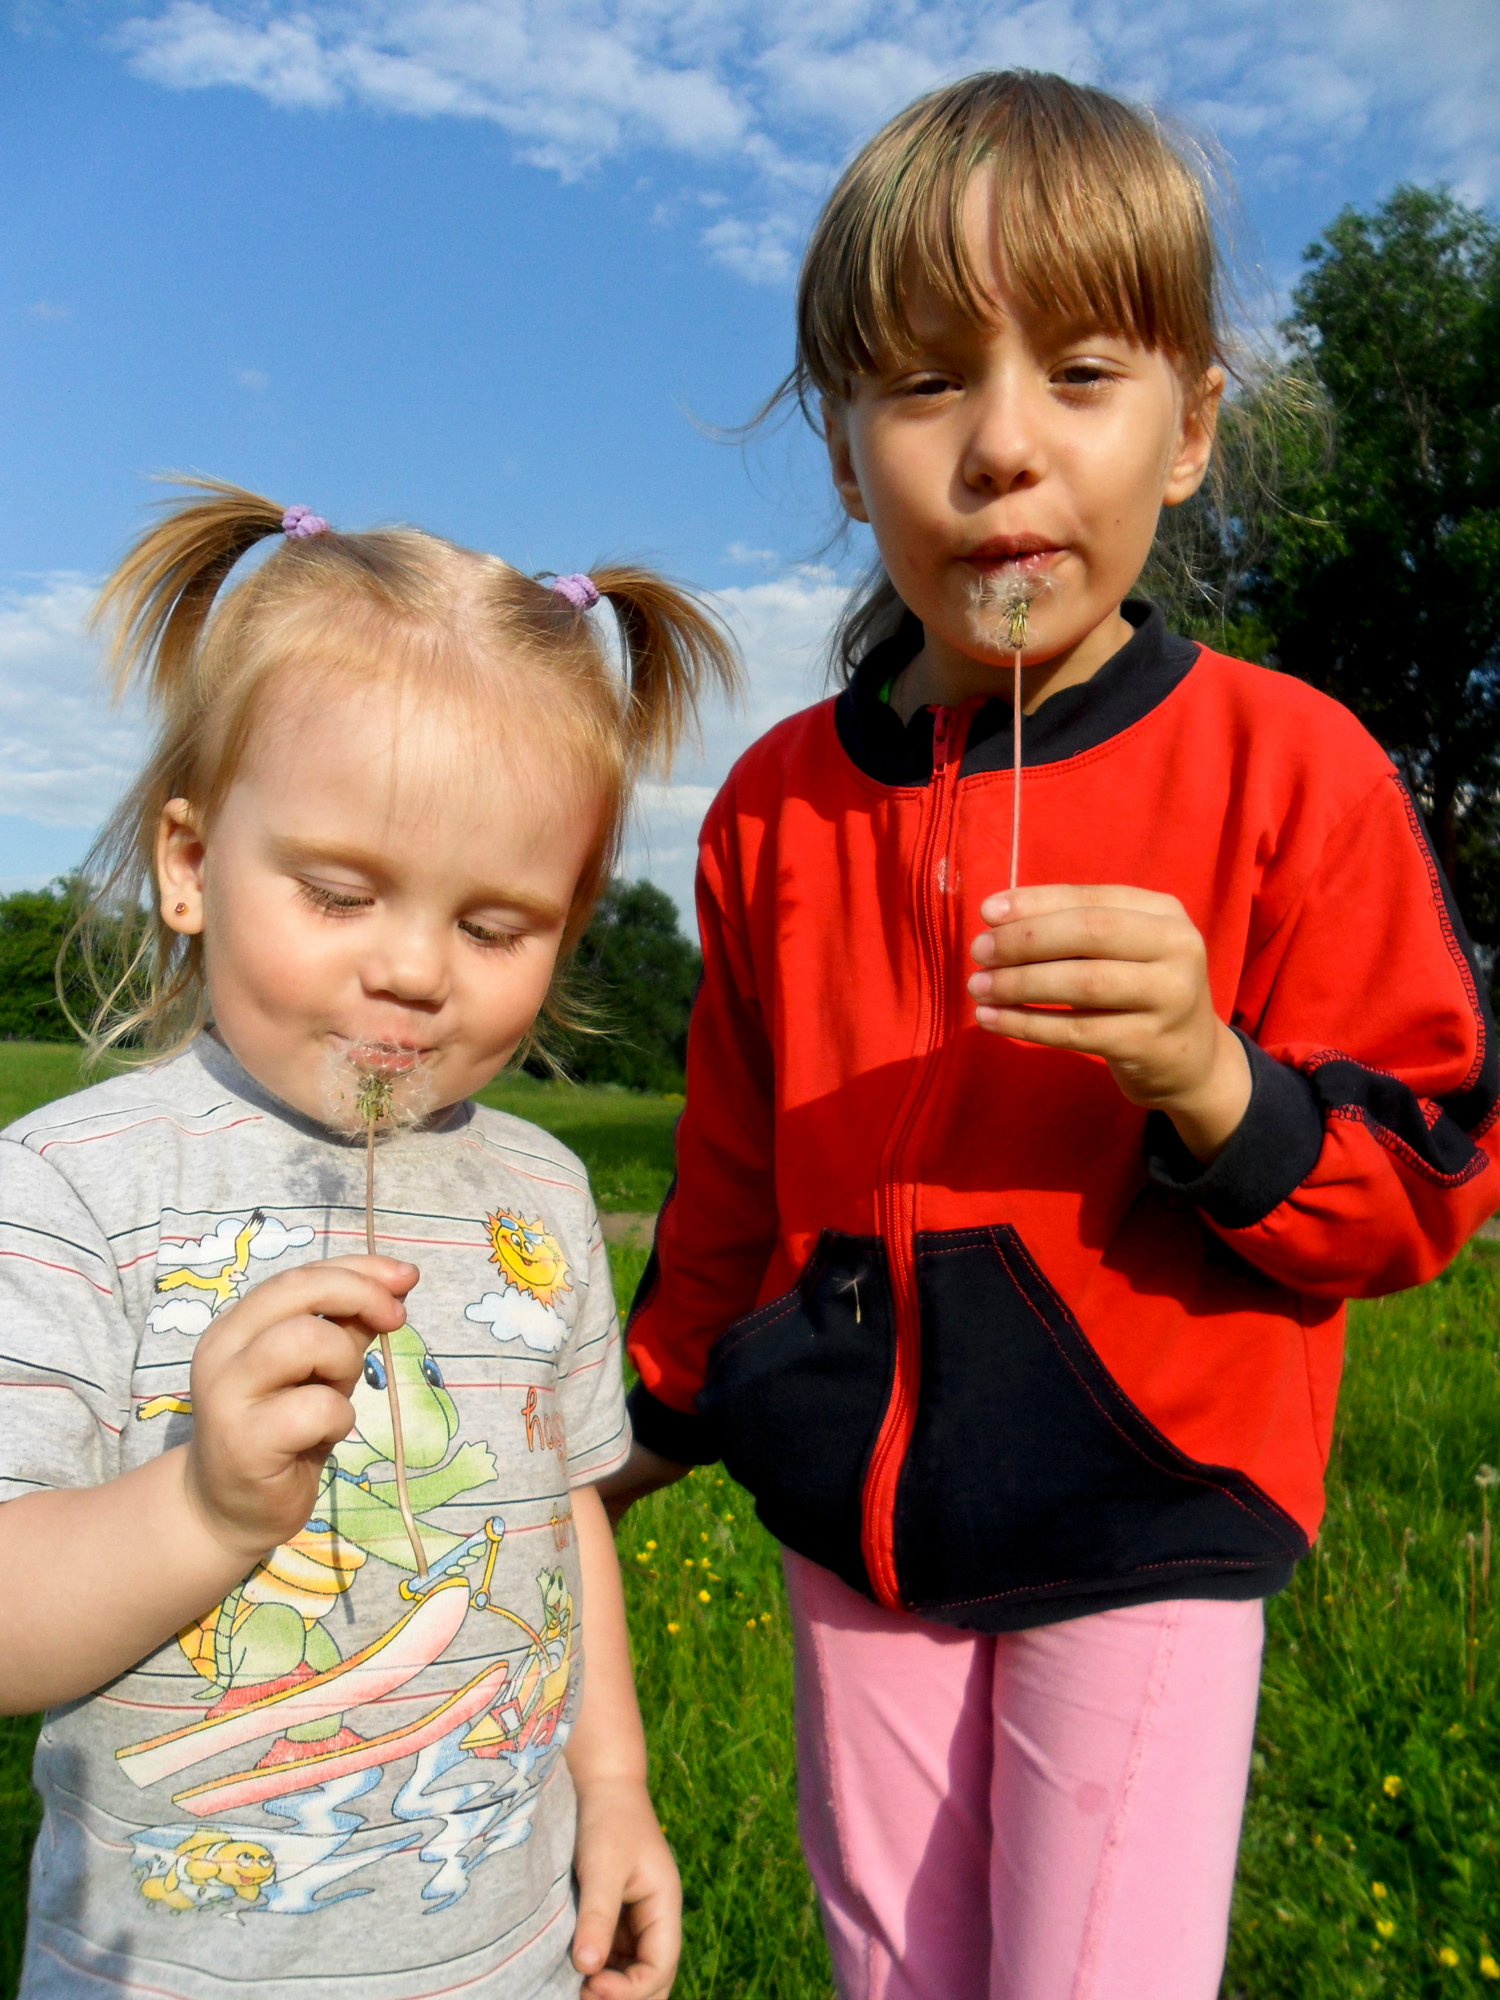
pixel 530 1257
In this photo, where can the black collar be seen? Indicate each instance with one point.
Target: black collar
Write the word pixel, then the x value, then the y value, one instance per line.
pixel 1129 685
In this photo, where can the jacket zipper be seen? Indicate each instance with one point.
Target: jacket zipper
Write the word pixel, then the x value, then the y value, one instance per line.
pixel 933 887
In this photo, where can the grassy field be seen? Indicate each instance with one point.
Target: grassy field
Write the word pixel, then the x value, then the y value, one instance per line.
pixel 1371 1862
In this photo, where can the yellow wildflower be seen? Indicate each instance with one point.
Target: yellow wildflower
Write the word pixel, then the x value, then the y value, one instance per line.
pixel 749 1624
pixel 1385 1927
pixel 672 1628
pixel 1392 1786
pixel 1377 1890
pixel 650 1545
pixel 1447 1955
pixel 641 1556
pixel 1488 1968
pixel 704 1598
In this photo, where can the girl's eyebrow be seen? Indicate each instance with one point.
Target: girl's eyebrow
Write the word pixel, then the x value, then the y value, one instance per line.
pixel 293 854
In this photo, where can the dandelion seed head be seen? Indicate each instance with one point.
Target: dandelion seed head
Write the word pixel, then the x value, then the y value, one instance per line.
pixel 376 1082
pixel 1008 594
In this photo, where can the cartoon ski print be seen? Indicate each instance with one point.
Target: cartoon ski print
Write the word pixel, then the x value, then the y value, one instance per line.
pixel 276 1681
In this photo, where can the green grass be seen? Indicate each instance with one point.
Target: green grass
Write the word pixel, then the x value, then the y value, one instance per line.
pixel 1378 1756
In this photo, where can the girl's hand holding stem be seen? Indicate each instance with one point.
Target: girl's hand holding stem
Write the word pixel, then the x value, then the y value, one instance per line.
pixel 1121 973
pixel 97 1577
pixel 271 1380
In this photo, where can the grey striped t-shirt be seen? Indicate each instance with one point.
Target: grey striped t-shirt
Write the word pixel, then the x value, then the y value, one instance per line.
pixel 342 1782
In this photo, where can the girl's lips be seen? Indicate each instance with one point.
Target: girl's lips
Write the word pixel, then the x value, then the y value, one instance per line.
pixel 385 1058
pixel 1027 553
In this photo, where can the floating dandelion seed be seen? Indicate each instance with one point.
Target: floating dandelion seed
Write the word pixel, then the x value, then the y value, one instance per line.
pixel 375 1069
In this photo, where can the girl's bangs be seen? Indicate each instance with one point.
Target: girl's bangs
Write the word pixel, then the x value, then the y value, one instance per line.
pixel 1098 222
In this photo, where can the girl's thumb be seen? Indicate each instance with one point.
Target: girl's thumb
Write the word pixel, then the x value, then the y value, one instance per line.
pixel 594 1932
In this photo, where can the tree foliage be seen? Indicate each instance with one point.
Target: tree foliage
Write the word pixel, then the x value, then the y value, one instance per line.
pixel 635 974
pixel 1374 572
pixel 33 924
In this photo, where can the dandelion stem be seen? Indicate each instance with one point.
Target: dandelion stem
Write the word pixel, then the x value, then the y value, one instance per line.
pixel 1017 614
pixel 392 1396
pixel 1473 1653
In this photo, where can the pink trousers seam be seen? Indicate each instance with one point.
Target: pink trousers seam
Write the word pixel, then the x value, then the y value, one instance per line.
pixel 1114 1840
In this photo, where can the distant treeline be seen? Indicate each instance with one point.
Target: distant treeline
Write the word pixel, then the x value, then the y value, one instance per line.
pixel 634 976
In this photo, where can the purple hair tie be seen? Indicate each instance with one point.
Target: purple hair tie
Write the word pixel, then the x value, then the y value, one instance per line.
pixel 300 524
pixel 581 591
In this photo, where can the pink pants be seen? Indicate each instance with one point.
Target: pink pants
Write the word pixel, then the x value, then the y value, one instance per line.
pixel 1042 1815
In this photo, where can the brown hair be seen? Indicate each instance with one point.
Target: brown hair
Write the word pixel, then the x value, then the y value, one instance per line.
pixel 389 603
pixel 1099 220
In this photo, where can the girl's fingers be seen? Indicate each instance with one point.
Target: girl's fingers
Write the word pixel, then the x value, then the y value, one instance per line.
pixel 1085 1034
pixel 309 1420
pixel 598 1917
pixel 1048 898
pixel 1082 931
pixel 302 1350
pixel 1090 985
pixel 368 1290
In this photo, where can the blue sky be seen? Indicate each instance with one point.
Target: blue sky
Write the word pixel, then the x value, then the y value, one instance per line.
pixel 481 264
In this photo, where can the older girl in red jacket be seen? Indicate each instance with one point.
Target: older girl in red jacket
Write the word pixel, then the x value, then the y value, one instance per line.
pixel 1012 1229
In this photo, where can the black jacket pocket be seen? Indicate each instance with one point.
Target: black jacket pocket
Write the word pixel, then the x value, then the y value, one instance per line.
pixel 796 1391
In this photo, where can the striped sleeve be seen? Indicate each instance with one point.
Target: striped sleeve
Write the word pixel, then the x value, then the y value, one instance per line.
pixel 590 1384
pixel 66 1346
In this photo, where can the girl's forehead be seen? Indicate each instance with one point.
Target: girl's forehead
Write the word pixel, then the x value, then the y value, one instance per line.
pixel 412 752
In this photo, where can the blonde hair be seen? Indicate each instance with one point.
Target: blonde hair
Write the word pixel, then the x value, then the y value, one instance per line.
pixel 1098 220
pixel 387 604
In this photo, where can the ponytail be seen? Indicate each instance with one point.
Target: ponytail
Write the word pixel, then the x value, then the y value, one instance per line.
pixel 675 651
pixel 159 598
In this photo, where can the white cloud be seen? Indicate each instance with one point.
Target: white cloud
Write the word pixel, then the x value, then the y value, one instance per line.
pixel 777 93
pixel 64 754
pixel 210 1253
pixel 252 378
pixel 512 1315
pixel 180 1314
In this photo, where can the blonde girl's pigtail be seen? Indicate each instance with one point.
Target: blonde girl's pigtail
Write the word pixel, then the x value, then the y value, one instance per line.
pixel 676 651
pixel 157 602
pixel 145 979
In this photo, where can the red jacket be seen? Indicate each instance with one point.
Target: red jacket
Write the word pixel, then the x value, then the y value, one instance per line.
pixel 979 1335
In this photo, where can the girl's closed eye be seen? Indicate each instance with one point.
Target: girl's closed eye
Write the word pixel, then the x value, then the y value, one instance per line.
pixel 334 902
pixel 491 936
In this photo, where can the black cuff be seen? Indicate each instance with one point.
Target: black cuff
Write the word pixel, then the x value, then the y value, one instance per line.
pixel 667 1432
pixel 1272 1150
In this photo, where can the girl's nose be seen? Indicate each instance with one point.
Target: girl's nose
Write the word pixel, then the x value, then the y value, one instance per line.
pixel 409 962
pixel 1003 449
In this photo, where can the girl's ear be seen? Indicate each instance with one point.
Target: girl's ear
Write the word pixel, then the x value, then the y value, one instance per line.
pixel 1195 444
pixel 179 868
pixel 841 459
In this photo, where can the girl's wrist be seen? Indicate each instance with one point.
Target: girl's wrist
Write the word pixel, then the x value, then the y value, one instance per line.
pixel 1207 1118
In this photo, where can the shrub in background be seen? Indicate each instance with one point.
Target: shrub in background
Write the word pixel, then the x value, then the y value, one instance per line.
pixel 635 974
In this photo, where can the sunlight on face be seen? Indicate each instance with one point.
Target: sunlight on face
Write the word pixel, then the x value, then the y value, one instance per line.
pixel 1022 446
pixel 381 877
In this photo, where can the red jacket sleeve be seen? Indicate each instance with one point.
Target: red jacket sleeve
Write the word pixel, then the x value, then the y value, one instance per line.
pixel 718 1226
pixel 1368 1153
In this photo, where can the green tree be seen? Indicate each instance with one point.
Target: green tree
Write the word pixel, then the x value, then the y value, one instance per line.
pixel 636 974
pixel 33 924
pixel 1378 574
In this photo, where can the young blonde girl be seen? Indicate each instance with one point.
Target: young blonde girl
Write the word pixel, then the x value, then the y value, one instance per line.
pixel 1012 1226
pixel 311 1362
